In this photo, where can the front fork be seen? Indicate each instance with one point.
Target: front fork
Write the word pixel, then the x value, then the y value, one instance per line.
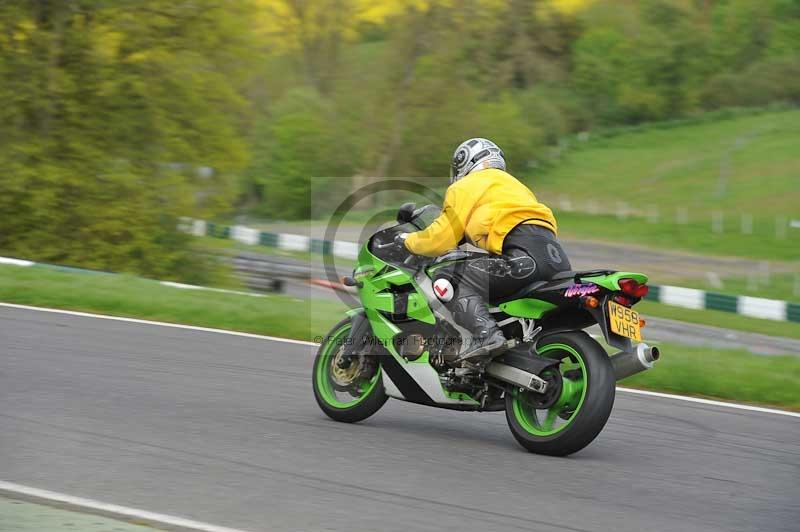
pixel 359 332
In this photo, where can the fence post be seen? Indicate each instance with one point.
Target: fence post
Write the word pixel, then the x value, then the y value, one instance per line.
pixel 682 215
pixel 652 214
pixel 717 221
pixel 714 280
pixel 747 224
pixel 622 210
pixel 752 281
pixel 764 271
pixel 780 227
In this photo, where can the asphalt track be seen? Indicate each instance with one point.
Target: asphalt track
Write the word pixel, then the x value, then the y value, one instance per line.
pixel 224 429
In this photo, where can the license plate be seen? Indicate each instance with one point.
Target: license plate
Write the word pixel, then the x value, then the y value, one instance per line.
pixel 624 321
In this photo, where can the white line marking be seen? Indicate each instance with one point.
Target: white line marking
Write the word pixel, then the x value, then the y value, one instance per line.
pixel 16 262
pixel 113 510
pixel 209 289
pixel 709 402
pixel 160 324
pixel 314 344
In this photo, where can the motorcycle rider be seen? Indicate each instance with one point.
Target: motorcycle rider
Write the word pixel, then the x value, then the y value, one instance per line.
pixel 489 208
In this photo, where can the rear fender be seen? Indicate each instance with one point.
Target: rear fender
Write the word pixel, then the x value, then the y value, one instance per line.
pixel 611 281
pixel 600 314
pixel 571 319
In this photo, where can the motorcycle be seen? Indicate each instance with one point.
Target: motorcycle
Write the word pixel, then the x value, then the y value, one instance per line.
pixel 554 381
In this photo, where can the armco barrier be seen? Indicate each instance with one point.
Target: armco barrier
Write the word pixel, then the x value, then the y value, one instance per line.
pixel 677 296
pixel 692 298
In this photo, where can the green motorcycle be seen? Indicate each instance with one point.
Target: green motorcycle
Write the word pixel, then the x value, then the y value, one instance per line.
pixel 555 383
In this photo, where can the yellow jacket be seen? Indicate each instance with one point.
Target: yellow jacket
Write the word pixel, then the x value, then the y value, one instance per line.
pixel 484 206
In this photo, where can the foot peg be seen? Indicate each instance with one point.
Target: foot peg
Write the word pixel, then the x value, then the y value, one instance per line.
pixel 486 352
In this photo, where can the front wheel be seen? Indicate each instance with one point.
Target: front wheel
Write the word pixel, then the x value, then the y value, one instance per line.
pixel 346 392
pixel 569 417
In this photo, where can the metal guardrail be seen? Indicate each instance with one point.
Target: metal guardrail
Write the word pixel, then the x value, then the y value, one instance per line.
pixel 263 273
pixel 266 273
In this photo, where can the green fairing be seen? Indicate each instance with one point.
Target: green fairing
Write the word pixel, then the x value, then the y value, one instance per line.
pixel 611 282
pixel 364 271
pixel 419 309
pixel 373 292
pixel 392 277
pixel 527 308
pixel 373 298
pixel 384 330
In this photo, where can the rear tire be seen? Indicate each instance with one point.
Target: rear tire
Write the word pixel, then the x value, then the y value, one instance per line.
pixel 368 396
pixel 584 404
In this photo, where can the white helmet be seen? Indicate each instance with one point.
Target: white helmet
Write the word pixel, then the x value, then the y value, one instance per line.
pixel 473 155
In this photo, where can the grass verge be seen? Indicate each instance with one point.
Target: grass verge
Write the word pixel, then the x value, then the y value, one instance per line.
pixel 694 236
pixel 725 374
pixel 739 171
pixel 735 375
pixel 122 295
pixel 718 318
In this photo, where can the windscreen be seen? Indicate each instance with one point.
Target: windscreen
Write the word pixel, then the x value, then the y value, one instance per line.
pixel 424 216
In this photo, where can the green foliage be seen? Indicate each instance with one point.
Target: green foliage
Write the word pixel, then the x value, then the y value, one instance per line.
pixel 298 152
pixel 409 84
pixel 110 112
pixel 114 112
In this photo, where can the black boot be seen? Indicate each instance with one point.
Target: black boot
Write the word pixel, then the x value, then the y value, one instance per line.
pixel 471 313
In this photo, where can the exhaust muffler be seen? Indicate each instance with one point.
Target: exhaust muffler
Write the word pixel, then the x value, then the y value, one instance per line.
pixel 627 363
pixel 517 377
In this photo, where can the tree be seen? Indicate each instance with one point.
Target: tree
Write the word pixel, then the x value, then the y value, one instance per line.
pixel 109 111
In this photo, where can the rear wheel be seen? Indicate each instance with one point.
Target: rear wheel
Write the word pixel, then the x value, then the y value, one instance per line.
pixel 351 391
pixel 576 409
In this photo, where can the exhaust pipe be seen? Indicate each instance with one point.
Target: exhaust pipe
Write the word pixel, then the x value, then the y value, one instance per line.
pixel 627 363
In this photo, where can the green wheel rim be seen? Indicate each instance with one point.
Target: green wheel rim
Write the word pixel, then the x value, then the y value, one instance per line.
pixel 323 372
pixel 566 407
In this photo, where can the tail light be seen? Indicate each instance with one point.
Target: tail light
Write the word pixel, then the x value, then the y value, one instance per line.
pixel 632 288
pixel 624 301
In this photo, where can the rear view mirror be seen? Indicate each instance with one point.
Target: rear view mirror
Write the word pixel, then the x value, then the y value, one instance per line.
pixel 406 212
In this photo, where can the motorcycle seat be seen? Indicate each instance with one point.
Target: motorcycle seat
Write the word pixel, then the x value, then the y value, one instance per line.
pixel 559 278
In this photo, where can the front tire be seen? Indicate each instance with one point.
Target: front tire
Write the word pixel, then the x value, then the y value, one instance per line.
pixel 586 397
pixel 347 402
